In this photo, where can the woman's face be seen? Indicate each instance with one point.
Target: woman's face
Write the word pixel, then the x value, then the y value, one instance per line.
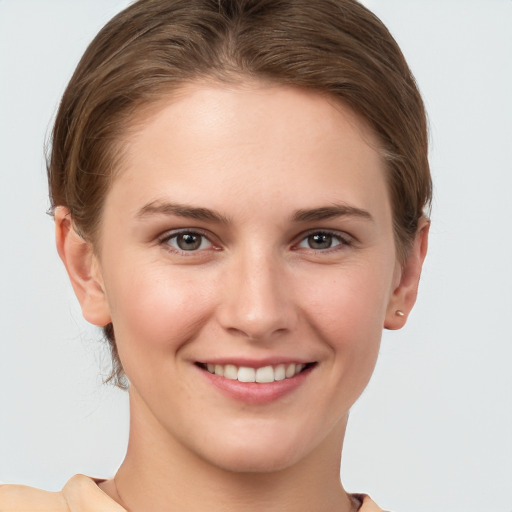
pixel 248 233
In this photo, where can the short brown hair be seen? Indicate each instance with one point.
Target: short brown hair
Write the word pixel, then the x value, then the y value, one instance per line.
pixel 336 47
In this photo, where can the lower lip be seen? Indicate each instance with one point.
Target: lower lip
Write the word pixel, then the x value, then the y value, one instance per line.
pixel 256 392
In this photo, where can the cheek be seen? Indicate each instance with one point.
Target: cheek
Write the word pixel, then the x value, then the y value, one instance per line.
pixel 348 304
pixel 156 309
pixel 347 311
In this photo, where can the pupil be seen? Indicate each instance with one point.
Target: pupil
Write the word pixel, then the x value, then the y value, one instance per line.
pixel 320 241
pixel 188 242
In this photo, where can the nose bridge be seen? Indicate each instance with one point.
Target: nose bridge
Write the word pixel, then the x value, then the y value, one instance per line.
pixel 256 303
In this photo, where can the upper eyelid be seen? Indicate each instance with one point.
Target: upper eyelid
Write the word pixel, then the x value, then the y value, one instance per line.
pixel 343 235
pixel 167 235
pixel 170 234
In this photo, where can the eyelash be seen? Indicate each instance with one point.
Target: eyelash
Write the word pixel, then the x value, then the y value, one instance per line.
pixel 342 239
pixel 165 241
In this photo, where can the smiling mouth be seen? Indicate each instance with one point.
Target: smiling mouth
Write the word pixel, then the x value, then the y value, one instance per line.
pixel 264 374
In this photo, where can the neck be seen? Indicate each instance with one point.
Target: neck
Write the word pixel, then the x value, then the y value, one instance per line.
pixel 162 475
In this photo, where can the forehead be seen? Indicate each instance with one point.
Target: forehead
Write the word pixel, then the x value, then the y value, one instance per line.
pixel 216 143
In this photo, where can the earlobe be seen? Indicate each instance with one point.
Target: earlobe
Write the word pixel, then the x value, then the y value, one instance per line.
pixel 83 269
pixel 404 295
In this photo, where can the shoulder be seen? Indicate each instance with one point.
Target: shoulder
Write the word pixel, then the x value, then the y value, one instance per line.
pixel 367 504
pixel 80 494
pixel 21 498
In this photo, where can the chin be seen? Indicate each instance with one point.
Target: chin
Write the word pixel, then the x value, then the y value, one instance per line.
pixel 257 451
pixel 255 460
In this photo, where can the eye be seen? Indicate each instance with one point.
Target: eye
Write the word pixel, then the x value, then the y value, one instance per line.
pixel 187 241
pixel 323 240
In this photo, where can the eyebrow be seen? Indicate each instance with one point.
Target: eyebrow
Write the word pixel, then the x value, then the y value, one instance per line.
pixel 180 210
pixel 205 214
pixel 331 212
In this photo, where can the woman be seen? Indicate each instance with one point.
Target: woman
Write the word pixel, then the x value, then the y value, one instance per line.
pixel 239 191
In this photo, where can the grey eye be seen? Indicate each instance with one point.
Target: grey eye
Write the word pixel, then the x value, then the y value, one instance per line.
pixel 189 241
pixel 321 241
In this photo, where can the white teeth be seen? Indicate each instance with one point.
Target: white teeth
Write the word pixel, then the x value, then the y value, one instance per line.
pixel 290 371
pixel 230 372
pixel 246 374
pixel 264 374
pixel 280 372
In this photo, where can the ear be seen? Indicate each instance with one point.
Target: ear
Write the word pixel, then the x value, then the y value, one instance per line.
pixel 83 269
pixel 404 295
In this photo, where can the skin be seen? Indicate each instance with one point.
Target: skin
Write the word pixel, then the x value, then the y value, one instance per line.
pixel 259 157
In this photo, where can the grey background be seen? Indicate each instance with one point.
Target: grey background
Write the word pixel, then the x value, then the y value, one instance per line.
pixel 433 431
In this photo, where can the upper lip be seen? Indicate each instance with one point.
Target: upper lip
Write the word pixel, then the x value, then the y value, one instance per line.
pixel 255 363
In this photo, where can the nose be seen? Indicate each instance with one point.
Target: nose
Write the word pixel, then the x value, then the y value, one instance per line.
pixel 257 304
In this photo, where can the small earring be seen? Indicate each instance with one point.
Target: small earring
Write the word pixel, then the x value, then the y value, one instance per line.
pixel 399 312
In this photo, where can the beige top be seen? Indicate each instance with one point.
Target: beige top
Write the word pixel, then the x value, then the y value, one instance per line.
pixel 82 494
